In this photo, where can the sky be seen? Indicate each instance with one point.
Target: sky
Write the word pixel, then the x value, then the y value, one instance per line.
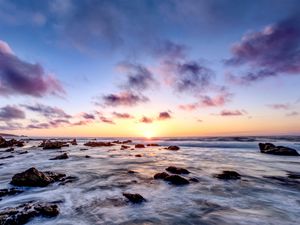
pixel 149 68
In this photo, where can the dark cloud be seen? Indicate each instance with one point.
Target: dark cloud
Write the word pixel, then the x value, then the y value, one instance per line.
pixel 47 111
pixel 164 116
pixel 106 120
pixel 88 116
pixel 39 126
pixel 280 106
pixel 145 119
pixel 11 126
pixel 232 113
pixel 10 113
pixel 122 115
pixel 271 52
pixel 18 77
pixel 139 78
pixel 126 98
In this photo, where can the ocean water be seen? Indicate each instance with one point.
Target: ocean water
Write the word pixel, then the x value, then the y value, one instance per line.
pixel 96 197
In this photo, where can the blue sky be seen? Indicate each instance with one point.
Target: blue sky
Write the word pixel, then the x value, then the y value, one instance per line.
pixel 234 62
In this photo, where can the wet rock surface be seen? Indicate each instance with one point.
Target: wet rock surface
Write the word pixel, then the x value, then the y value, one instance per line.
pixel 269 148
pixel 22 214
pixel 134 198
pixel 34 178
pixel 177 170
pixel 228 175
pixel 60 157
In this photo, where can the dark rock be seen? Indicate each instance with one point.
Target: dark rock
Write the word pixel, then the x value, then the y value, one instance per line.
pixel 269 148
pixel 131 171
pixel 162 175
pixel 176 180
pixel 123 147
pixel 68 179
pixel 173 148
pixel 51 145
pixel 22 214
pixel 11 191
pixel 60 157
pixel 153 145
pixel 139 146
pixel 228 175
pixel 34 178
pixel 98 144
pixel 87 156
pixel 7 157
pixel 73 142
pixel 9 150
pixel 195 180
pixel 84 149
pixel 292 175
pixel 23 152
pixel 177 170
pixel 10 143
pixel 138 155
pixel 126 142
pixel 134 198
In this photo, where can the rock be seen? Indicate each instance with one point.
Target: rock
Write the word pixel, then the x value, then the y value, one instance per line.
pixel 34 178
pixel 131 171
pixel 123 147
pixel 73 142
pixel 138 155
pixel 87 156
pixel 176 180
pixel 173 148
pixel 134 198
pixel 9 150
pixel 126 142
pixel 152 145
pixel 23 152
pixel 7 157
pixel 51 145
pixel 177 170
pixel 68 179
pixel 162 175
pixel 269 148
pixel 84 149
pixel 11 191
pixel 195 180
pixel 98 144
pixel 22 214
pixel 228 175
pixel 139 146
pixel 60 157
pixel 293 175
pixel 10 143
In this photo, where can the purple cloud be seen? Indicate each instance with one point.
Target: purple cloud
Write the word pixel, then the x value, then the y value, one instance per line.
pixel 232 113
pixel 106 120
pixel 18 77
pixel 126 98
pixel 88 116
pixel 145 119
pixel 39 126
pixel 122 115
pixel 294 113
pixel 271 52
pixel 47 111
pixel 164 116
pixel 279 106
pixel 139 78
pixel 10 113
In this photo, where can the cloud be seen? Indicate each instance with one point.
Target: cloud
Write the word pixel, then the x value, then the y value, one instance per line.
pixel 39 126
pixel 11 126
pixel 139 78
pixel 280 106
pixel 88 116
pixel 205 101
pixel 126 98
pixel 169 50
pixel 164 116
pixel 145 119
pixel 106 120
pixel 273 51
pixel 292 114
pixel 47 111
pixel 122 115
pixel 9 112
pixel 18 77
pixel 232 113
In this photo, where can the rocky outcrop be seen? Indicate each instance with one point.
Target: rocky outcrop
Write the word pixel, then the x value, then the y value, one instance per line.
pixel 162 175
pixel 10 191
pixel 176 180
pixel 98 144
pixel 269 148
pixel 173 148
pixel 34 178
pixel 123 147
pixel 122 142
pixel 60 157
pixel 22 214
pixel 228 175
pixel 152 145
pixel 73 142
pixel 177 170
pixel 139 146
pixel 134 198
pixel 10 143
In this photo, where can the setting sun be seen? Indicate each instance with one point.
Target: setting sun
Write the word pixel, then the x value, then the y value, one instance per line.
pixel 148 134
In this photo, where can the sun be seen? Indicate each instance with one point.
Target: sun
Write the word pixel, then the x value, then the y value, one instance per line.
pixel 148 134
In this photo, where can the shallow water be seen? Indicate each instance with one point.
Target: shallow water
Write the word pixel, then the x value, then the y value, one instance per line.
pixel 96 197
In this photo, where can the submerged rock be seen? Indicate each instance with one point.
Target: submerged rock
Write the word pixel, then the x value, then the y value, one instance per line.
pixel 177 170
pixel 134 198
pixel 173 148
pixel 228 175
pixel 176 180
pixel 10 191
pixel 139 146
pixel 60 157
pixel 162 175
pixel 269 148
pixel 98 144
pixel 22 214
pixel 34 178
